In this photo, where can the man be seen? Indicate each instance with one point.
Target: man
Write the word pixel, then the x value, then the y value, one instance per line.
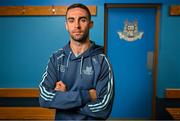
pixel 78 81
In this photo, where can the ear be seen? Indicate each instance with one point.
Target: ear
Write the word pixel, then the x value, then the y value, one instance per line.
pixel 91 24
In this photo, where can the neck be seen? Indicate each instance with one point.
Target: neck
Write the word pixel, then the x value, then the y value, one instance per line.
pixel 79 48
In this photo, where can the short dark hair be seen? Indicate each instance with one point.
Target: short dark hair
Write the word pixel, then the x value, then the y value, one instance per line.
pixel 79 5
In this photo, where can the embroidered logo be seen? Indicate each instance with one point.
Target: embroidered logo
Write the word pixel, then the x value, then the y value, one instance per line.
pixel 88 71
pixel 62 68
pixel 130 32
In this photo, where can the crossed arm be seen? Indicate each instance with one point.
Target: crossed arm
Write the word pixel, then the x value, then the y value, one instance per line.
pixel 94 102
pixel 60 86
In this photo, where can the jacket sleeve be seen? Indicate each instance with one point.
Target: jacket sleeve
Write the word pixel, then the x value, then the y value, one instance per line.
pixel 101 108
pixel 50 98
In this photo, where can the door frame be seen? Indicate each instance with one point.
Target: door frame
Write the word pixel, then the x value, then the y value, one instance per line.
pixel 156 39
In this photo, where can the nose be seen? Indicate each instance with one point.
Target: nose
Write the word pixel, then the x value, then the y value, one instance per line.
pixel 77 24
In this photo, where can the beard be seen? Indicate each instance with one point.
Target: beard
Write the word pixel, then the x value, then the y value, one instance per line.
pixel 81 38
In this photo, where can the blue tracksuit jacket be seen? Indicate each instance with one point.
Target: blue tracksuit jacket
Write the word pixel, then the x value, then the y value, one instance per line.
pixel 80 74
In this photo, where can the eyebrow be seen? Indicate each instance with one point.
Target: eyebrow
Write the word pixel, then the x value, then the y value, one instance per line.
pixel 83 17
pixel 70 18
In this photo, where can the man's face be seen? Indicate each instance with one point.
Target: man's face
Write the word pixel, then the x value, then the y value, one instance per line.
pixel 78 24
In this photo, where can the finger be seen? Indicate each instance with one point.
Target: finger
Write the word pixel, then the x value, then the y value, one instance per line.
pixel 62 84
pixel 58 84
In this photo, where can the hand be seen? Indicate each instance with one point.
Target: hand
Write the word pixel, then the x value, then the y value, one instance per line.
pixel 92 93
pixel 60 86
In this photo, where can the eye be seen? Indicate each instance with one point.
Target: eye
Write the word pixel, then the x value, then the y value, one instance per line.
pixel 70 20
pixel 83 20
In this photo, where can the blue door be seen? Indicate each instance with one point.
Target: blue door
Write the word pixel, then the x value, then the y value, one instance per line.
pixel 131 57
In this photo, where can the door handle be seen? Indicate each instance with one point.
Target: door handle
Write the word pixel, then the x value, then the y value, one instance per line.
pixel 150 60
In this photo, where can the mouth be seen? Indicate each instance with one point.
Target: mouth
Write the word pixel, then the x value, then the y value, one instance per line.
pixel 77 33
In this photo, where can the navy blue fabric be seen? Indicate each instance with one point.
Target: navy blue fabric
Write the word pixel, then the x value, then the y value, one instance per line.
pixel 90 70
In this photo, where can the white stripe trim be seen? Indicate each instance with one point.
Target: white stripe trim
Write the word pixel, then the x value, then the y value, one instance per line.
pixel 104 96
pixel 106 100
pixel 103 104
pixel 100 108
pixel 45 94
pixel 49 93
pixel 44 89
pixel 102 100
pixel 45 98
pixel 60 56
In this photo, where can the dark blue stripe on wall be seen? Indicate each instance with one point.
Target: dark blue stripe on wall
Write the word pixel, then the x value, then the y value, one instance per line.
pixel 19 102
pixel 162 104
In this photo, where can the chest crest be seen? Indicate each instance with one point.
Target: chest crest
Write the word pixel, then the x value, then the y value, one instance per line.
pixel 88 70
